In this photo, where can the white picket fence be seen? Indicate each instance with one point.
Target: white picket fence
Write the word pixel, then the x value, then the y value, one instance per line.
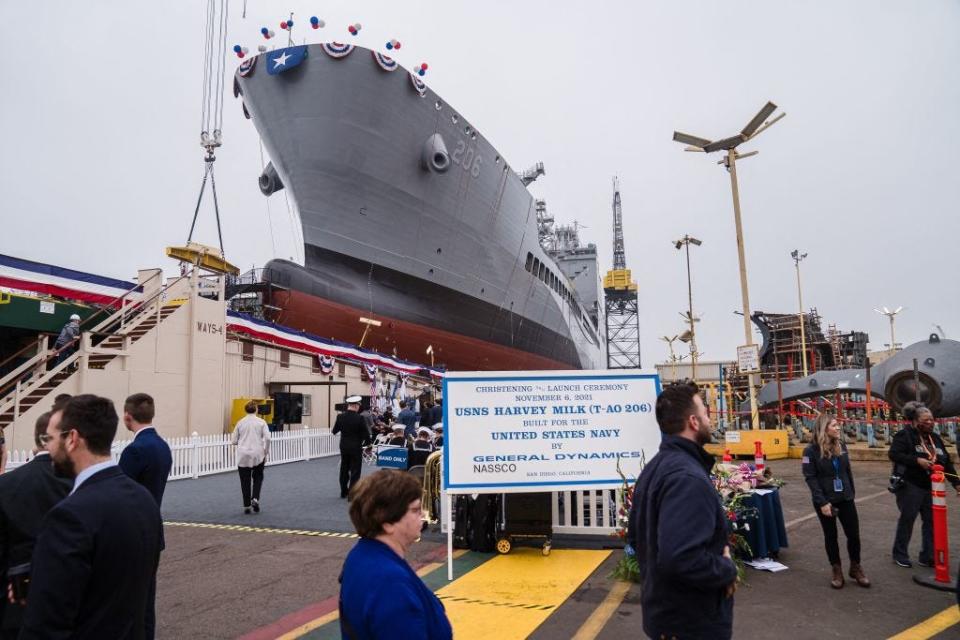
pixel 196 455
pixel 591 512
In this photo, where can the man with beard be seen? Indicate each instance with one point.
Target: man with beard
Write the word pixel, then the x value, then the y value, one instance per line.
pixel 26 495
pixel 98 549
pixel 679 530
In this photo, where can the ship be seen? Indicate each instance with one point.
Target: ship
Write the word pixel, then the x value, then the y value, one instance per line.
pixel 419 238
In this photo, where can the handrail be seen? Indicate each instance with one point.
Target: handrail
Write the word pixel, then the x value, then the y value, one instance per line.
pixel 41 360
pixel 121 297
pixel 19 353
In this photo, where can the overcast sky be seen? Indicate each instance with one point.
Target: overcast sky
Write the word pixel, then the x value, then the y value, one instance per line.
pixel 101 165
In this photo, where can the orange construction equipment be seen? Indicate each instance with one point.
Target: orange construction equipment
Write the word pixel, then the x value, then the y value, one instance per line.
pixel 941 546
pixel 758 456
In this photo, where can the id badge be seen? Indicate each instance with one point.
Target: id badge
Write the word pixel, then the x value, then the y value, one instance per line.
pixel 837 485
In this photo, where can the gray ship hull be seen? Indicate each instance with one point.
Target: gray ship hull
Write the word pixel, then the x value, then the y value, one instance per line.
pixel 388 234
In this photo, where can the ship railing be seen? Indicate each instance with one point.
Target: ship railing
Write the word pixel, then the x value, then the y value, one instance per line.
pixel 196 455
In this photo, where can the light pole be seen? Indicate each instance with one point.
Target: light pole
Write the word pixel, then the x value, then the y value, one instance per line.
pixel 797 257
pixel 758 124
pixel 673 356
pixel 686 241
pixel 890 315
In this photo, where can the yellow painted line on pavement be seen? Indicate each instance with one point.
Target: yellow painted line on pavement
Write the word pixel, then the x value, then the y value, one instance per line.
pixel 510 596
pixel 931 626
pixel 238 527
pixel 334 615
pixel 593 625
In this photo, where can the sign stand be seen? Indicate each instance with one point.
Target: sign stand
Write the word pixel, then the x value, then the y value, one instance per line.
pixel 543 431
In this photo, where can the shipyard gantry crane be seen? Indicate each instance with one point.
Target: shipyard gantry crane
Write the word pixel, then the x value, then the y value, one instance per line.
pixel 620 300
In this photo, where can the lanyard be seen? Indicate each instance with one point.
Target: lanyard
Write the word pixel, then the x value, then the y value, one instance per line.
pixel 836 467
pixel 932 452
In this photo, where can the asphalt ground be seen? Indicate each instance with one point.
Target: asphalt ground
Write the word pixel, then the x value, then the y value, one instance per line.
pixel 244 579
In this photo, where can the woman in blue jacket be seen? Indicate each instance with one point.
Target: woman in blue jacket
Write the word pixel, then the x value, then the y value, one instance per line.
pixel 380 595
pixel 826 468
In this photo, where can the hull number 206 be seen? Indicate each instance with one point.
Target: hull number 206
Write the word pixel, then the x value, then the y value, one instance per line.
pixel 467 158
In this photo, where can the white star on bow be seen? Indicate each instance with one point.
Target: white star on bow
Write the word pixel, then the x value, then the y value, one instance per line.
pixel 280 60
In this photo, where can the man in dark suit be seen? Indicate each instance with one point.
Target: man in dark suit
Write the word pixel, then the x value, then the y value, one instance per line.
pixel 354 436
pixel 98 548
pixel 26 495
pixel 147 460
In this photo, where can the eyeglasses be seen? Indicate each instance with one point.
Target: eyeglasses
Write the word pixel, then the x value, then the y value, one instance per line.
pixel 45 438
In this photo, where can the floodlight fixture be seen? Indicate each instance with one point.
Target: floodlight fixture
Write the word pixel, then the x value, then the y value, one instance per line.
pixel 758 120
pixel 757 125
pixel 693 141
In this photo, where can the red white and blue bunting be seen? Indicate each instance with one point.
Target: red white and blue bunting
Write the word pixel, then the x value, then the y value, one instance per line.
pixel 247 66
pixel 244 324
pixel 385 63
pixel 26 275
pixel 326 364
pixel 337 50
pixel 418 85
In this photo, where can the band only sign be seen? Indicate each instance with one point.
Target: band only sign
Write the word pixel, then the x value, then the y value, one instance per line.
pixel 528 431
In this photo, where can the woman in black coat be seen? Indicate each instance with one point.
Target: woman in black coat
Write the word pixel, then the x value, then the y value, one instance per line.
pixel 826 468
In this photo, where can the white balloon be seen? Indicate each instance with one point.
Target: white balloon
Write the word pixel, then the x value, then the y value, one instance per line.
pixel 262 48
pixel 321 24
pixel 272 33
pixel 245 50
pixel 357 26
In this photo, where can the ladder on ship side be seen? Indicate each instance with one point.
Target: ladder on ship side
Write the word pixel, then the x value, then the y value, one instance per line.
pixel 32 381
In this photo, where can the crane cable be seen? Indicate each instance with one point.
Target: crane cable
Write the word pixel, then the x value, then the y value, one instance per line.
pixel 211 111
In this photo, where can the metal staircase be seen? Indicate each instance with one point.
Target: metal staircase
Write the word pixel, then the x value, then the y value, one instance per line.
pixel 125 323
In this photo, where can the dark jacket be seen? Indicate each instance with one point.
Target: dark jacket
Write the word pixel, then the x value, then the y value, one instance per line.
pixel 820 473
pixel 408 419
pixel 679 529
pixel 436 414
pixel 354 434
pixel 95 557
pixel 905 449
pixel 382 598
pixel 148 461
pixel 26 495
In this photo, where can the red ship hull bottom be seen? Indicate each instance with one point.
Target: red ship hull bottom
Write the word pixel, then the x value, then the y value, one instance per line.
pixel 406 340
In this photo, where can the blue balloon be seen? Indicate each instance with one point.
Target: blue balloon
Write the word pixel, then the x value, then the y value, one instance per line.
pixel 422 72
pixel 264 31
pixel 314 20
pixel 389 45
pixel 289 23
pixel 236 48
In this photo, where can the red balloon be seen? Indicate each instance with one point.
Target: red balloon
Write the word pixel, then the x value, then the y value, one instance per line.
pixel 240 54
pixel 424 66
pixel 283 25
pixel 396 46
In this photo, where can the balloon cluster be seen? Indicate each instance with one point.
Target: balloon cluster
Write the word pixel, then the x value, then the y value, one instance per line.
pixel 393 44
pixel 240 51
pixel 286 25
pixel 422 71
pixel 317 23
pixel 354 29
pixel 267 33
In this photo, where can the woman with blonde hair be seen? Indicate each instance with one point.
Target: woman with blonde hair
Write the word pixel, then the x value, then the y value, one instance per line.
pixel 826 468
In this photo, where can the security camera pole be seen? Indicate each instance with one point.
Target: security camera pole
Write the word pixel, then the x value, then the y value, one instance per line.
pixel 797 257
pixel 758 124
pixel 686 241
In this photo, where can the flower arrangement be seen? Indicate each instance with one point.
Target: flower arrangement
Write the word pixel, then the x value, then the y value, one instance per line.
pixel 627 568
pixel 733 482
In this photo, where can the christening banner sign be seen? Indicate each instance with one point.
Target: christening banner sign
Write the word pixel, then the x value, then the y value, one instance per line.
pixel 524 431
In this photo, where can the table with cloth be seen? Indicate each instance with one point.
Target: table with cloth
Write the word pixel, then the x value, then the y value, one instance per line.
pixel 767 534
